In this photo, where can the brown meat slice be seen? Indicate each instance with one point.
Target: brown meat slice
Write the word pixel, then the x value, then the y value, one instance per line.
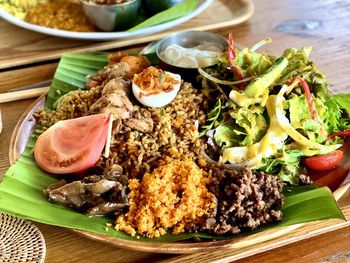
pixel 136 64
pixel 126 68
pixel 139 122
pixel 143 125
pixel 123 67
pixel 118 70
pixel 116 103
pixel 117 84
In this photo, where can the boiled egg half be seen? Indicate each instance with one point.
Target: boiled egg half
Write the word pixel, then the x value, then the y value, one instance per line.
pixel 156 88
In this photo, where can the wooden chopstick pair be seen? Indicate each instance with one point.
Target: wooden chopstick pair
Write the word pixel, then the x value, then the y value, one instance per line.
pixel 26 92
pixel 22 94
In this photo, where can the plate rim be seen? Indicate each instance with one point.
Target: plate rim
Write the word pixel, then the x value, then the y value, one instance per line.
pixel 96 36
pixel 179 247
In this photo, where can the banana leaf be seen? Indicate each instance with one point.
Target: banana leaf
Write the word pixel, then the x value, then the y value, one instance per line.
pixel 21 191
pixel 172 13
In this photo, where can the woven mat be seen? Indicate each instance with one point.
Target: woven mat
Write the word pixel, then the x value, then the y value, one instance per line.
pixel 20 240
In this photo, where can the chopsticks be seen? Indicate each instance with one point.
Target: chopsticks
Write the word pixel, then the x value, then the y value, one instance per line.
pixel 39 84
pixel 22 94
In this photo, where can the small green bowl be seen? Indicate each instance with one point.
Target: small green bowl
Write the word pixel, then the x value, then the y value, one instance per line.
pixel 112 17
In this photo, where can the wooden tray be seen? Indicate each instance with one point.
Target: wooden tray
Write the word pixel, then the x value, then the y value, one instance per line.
pixel 240 246
pixel 30 47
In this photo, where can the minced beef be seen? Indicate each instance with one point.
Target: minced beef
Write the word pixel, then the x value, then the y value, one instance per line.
pixel 246 199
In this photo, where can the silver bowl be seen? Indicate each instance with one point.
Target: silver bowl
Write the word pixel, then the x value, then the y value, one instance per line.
pixel 187 39
pixel 112 17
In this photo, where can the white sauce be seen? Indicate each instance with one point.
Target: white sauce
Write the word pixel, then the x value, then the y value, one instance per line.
pixel 200 56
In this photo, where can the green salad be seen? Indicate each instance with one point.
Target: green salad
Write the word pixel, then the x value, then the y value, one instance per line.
pixel 270 113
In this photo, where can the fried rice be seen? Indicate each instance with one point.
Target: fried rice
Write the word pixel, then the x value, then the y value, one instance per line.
pixel 175 132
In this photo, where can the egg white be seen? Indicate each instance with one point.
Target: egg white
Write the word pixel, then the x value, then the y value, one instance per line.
pixel 157 100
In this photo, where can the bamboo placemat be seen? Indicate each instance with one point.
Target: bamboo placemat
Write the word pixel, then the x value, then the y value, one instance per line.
pixel 21 47
pixel 21 241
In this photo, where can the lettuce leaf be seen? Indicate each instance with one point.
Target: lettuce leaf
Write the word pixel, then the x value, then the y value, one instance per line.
pixel 333 110
pixel 226 136
pixel 286 165
pixel 213 118
pixel 300 117
pixel 252 121
pixel 299 64
pixel 252 63
pixel 343 100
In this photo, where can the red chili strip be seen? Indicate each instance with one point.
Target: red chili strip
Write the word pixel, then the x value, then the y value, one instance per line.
pixel 231 58
pixel 231 49
pixel 308 96
pixel 339 134
pixel 239 75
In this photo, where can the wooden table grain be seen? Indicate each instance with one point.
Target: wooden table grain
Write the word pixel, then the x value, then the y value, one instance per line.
pixel 325 25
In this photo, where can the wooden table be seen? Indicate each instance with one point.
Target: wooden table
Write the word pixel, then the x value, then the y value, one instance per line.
pixel 291 23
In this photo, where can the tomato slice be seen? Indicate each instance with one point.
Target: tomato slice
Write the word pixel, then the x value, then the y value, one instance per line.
pixel 332 178
pixel 324 162
pixel 72 146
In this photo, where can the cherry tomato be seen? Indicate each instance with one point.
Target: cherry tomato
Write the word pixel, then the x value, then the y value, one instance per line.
pixel 324 162
pixel 72 146
pixel 332 178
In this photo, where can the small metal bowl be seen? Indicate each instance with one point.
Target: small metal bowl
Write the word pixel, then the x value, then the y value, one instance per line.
pixel 187 39
pixel 112 17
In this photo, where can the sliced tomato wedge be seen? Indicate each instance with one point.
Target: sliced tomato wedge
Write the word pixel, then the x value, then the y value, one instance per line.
pixel 72 146
pixel 324 162
pixel 332 178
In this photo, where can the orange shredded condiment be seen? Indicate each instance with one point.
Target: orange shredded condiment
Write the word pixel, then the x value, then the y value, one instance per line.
pixel 154 81
pixel 171 197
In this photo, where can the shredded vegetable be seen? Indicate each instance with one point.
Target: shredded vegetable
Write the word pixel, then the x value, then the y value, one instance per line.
pixel 302 82
pixel 267 125
pixel 231 58
pixel 288 128
pixel 339 134
pixel 223 82
pixel 260 44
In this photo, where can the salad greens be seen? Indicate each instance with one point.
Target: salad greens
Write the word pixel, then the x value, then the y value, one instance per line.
pixel 282 113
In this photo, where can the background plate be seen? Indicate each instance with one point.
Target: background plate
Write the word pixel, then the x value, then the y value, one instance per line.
pixel 28 47
pixel 203 4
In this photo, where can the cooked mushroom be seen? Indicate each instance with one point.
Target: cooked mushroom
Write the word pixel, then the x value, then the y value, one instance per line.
pixel 105 208
pixel 101 186
pixel 94 194
pixel 68 194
